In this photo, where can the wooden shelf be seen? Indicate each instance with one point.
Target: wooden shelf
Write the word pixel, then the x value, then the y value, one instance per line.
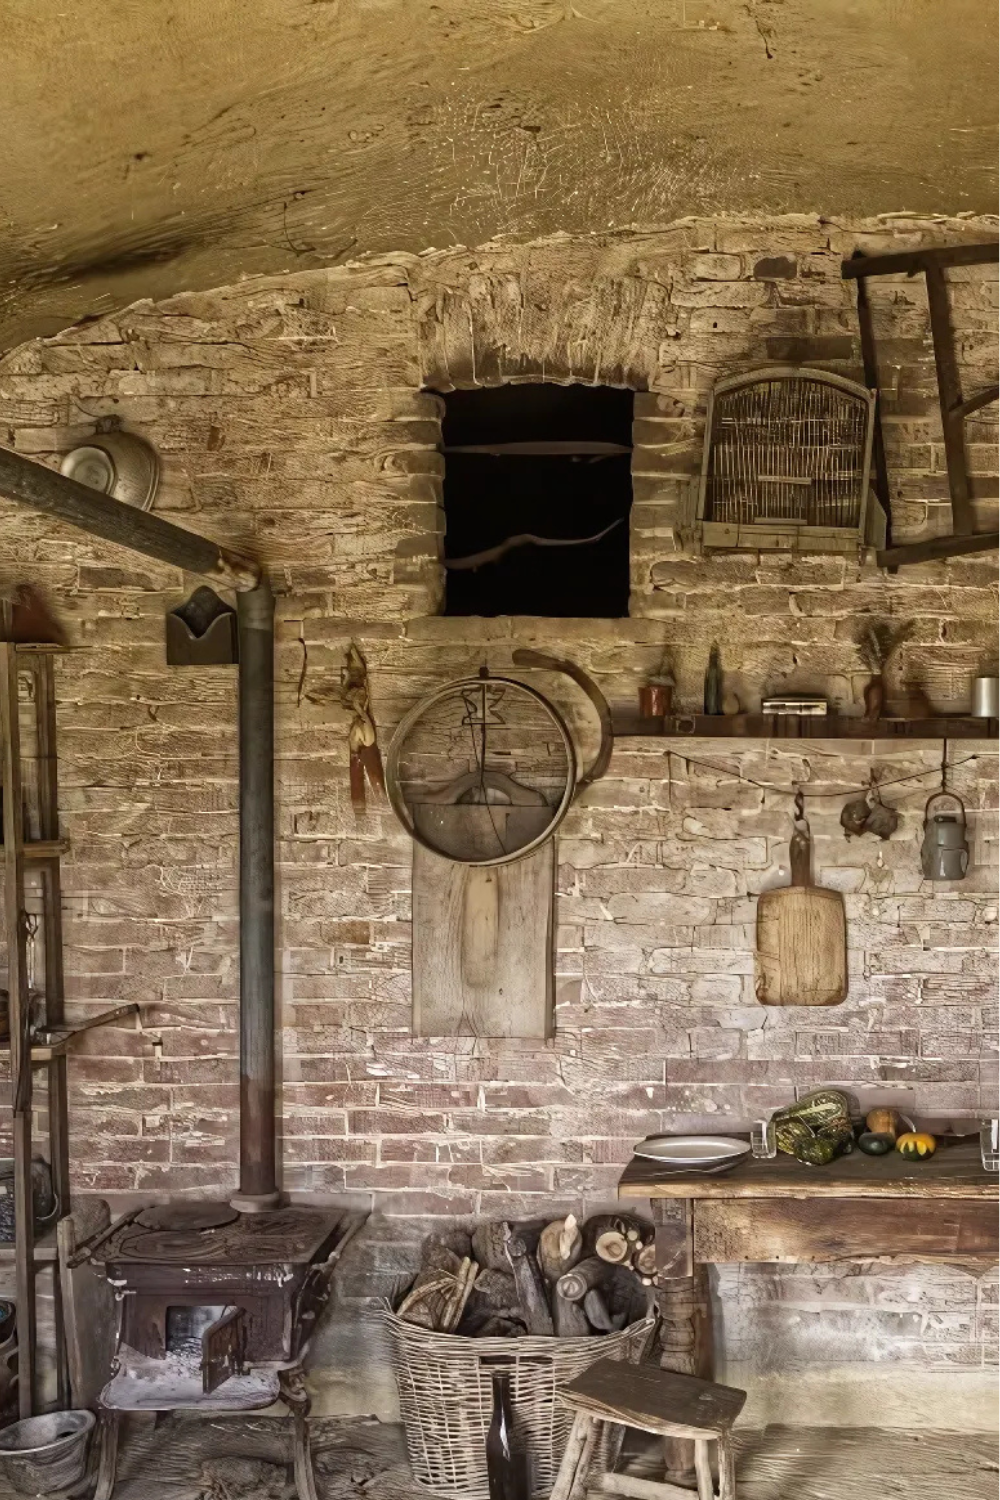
pixel 35 849
pixel 628 722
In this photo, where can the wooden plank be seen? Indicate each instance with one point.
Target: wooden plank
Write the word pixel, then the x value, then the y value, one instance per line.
pixel 931 550
pixel 482 946
pixel 856 1229
pixel 908 262
pixel 88 1305
pixel 635 1488
pixel 982 398
pixel 653 1399
pixel 629 722
pixel 18 1010
pixel 955 1171
pixel 869 358
pixel 950 397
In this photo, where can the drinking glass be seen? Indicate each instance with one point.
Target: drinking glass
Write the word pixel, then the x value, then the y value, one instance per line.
pixel 988 1145
pixel 762 1140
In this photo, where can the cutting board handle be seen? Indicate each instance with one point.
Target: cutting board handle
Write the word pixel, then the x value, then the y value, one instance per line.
pixel 800 854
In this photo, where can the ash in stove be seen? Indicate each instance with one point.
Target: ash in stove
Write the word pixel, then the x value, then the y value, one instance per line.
pixel 184 1328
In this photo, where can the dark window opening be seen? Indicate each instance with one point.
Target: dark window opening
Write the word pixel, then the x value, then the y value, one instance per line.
pixel 542 461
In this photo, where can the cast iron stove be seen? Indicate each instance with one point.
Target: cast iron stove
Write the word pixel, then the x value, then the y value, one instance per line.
pixel 216 1308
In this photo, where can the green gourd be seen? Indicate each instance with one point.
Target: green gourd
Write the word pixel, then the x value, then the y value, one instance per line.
pixel 876 1143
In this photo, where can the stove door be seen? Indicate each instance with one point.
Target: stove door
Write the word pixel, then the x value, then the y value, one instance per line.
pixel 223 1349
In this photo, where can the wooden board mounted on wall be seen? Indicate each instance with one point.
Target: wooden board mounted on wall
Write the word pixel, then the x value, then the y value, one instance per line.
pixel 482 946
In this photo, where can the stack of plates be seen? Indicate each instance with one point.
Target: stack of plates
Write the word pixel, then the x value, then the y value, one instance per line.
pixel 693 1153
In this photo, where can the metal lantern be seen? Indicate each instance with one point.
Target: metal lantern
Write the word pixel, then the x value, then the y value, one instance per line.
pixel 944 854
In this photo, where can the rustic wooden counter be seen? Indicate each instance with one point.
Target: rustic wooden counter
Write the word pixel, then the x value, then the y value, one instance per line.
pixel 856 1208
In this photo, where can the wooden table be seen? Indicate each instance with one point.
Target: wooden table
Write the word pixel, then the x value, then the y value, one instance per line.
pixel 856 1208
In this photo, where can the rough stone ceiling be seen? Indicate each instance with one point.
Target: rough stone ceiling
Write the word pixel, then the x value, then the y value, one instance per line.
pixel 157 145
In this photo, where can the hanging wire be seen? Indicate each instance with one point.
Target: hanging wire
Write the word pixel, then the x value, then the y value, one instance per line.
pixel 797 789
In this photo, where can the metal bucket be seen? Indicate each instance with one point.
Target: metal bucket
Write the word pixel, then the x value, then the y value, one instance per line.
pixel 42 1455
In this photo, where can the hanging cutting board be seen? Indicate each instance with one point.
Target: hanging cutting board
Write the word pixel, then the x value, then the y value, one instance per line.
pixel 482 935
pixel 801 936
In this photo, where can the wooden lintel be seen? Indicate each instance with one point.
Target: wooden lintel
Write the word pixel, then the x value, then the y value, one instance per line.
pixel 937 547
pixel 909 262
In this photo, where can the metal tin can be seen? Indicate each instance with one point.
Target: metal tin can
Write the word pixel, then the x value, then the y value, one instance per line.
pixel 986 698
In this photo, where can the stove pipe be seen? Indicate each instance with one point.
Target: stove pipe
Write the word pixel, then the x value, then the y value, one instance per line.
pixel 255 616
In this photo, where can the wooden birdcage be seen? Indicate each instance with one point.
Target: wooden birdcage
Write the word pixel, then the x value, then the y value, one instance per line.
pixel 786 464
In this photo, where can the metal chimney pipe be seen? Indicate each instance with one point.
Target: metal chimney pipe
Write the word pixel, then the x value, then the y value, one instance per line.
pixel 255 618
pixel 42 489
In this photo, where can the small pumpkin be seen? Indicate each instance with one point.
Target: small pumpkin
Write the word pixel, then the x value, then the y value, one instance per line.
pixel 916 1145
pixel 884 1122
pixel 876 1143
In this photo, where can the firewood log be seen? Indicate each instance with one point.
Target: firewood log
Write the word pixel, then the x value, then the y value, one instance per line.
pixel 454 1305
pixel 569 1317
pixel 626 1299
pixel 644 1259
pixel 596 1310
pixel 626 1225
pixel 530 1290
pixel 439 1293
pixel 499 1328
pixel 488 1246
pixel 497 1290
pixel 575 1284
pixel 560 1246
pixel 456 1240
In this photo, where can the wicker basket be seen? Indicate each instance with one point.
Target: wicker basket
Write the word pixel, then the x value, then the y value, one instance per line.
pixel 445 1387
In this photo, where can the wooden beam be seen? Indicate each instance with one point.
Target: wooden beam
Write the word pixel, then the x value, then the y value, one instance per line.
pixel 911 261
pixel 869 358
pixel 936 547
pixel 973 403
pixel 18 1009
pixel 950 398
pixel 43 489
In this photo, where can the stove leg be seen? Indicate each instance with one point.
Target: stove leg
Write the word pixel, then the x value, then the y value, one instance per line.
pixel 295 1397
pixel 108 1427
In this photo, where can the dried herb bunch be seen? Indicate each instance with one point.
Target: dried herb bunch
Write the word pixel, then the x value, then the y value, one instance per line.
pixel 879 640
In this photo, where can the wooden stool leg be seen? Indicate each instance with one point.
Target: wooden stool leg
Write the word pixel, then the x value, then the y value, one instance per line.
pixel 109 1423
pixel 727 1469
pixel 703 1469
pixel 571 1481
pixel 296 1398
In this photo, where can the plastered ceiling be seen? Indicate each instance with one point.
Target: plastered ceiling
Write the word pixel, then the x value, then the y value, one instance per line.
pixel 155 145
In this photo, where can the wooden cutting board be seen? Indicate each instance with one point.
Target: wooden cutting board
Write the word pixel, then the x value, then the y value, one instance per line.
pixel 482 935
pixel 801 936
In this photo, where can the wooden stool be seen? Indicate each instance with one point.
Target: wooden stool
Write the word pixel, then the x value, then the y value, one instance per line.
pixel 656 1401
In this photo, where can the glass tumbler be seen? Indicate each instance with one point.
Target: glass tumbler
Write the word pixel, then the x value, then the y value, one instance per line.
pixel 763 1143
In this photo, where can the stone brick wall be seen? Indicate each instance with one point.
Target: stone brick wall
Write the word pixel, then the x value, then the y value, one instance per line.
pixel 291 420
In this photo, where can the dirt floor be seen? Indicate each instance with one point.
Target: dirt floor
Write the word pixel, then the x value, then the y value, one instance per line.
pixel 247 1459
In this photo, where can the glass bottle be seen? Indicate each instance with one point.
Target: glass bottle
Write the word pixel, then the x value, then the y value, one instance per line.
pixel 506 1470
pixel 713 681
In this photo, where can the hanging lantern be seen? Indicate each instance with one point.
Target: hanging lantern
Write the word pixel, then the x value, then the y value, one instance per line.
pixel 944 854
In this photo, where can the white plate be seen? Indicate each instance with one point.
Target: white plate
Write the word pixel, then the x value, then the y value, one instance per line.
pixel 691 1150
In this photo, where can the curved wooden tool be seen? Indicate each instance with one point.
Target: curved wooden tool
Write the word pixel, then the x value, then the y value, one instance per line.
pixel 524 657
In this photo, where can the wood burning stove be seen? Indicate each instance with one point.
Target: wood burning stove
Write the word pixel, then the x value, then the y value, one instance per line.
pixel 215 1311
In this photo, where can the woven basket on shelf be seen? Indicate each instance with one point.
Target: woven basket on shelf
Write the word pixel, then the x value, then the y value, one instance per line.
pixel 445 1387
